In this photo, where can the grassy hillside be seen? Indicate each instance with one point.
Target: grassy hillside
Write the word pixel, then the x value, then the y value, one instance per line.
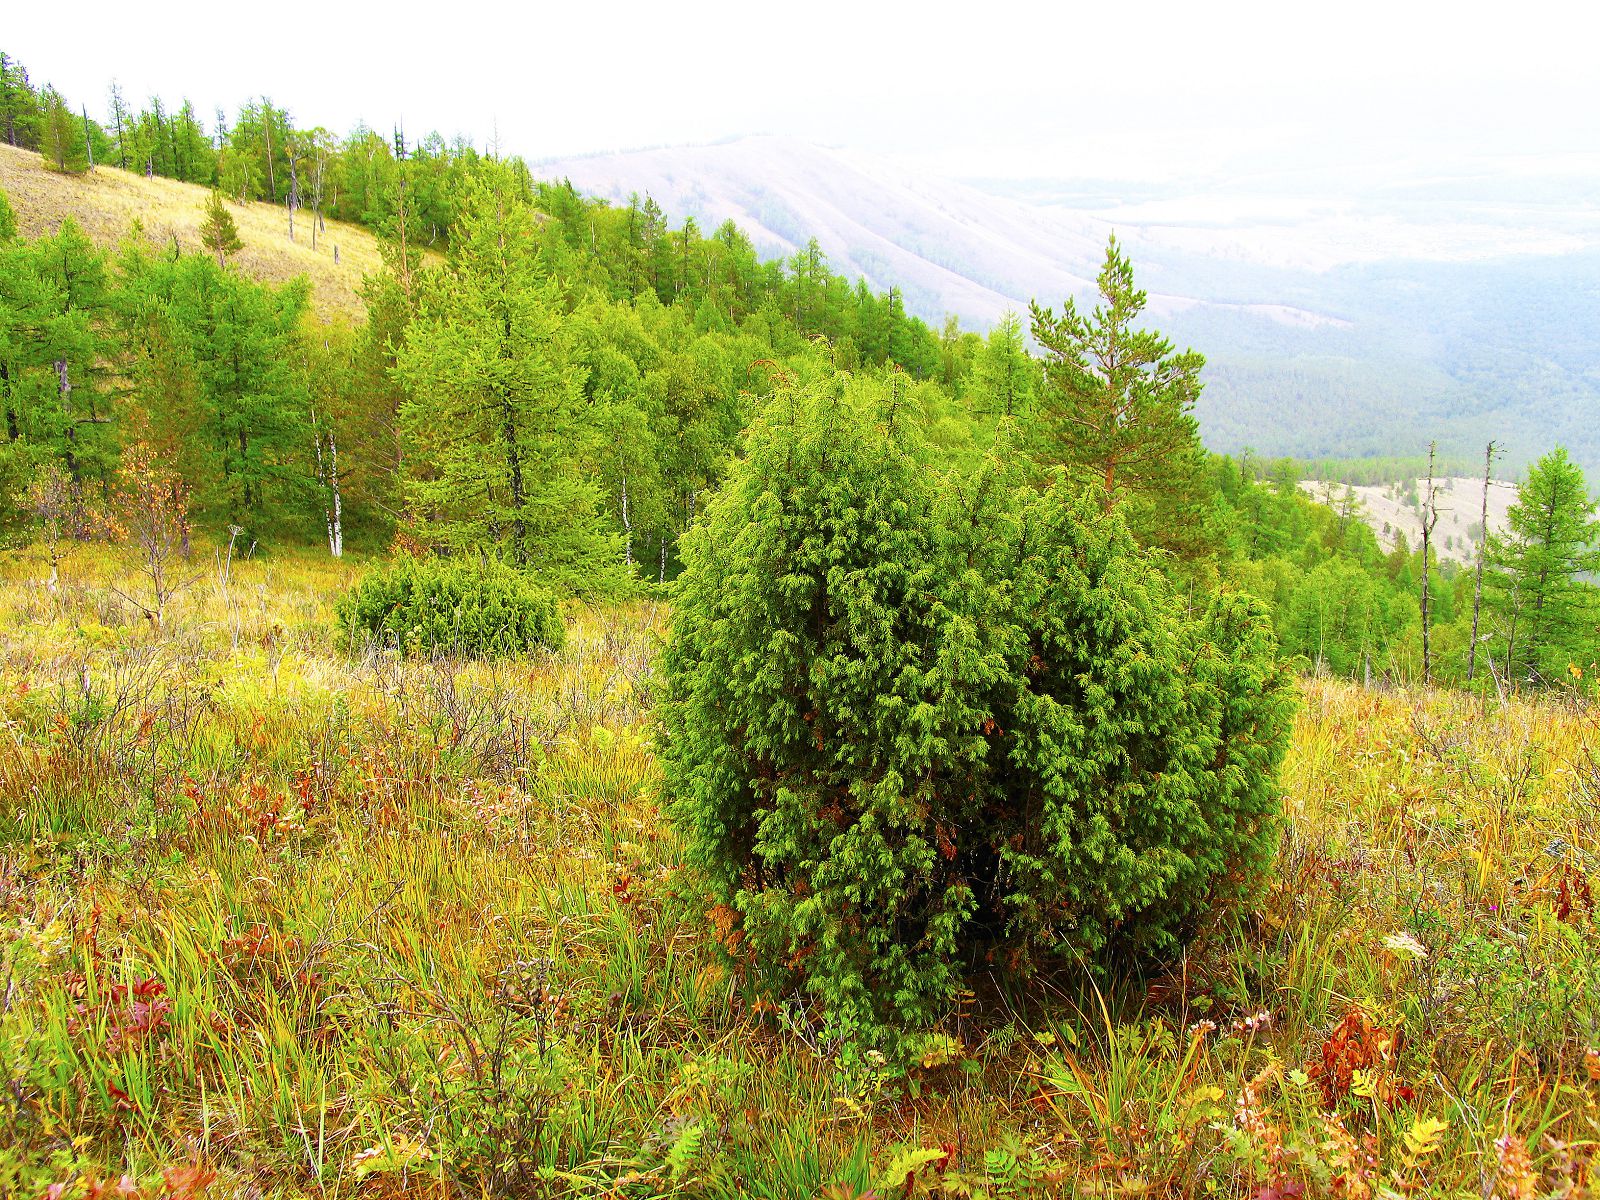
pixel 107 201
pixel 293 922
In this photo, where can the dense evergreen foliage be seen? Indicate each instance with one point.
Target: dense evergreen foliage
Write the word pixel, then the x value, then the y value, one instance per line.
pixel 492 419
pixel 1546 609
pixel 473 607
pixel 636 355
pixel 915 717
pixel 1117 410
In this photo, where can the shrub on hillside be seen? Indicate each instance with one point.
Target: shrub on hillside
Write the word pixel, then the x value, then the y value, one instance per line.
pixel 475 608
pixel 909 722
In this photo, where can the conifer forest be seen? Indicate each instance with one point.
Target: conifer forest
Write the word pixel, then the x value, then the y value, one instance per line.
pixel 511 693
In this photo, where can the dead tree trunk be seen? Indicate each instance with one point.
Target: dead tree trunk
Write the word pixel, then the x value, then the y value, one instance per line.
pixel 64 376
pixel 266 129
pixel 316 201
pixel 1483 543
pixel 1430 517
pixel 294 191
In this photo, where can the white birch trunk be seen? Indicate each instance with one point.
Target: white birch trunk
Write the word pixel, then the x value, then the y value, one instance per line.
pixel 336 524
pixel 328 477
pixel 627 525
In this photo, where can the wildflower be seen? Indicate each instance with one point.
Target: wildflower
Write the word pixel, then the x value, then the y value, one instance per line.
pixel 1515 1178
pixel 1253 1023
pixel 1405 943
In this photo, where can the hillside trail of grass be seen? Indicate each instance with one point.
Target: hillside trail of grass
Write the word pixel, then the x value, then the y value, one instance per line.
pixel 282 919
pixel 107 201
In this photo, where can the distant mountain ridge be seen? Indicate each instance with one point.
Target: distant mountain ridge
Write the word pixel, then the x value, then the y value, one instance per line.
pixel 949 247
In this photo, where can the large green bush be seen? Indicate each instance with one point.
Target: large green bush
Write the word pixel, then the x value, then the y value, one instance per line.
pixel 471 607
pixel 910 720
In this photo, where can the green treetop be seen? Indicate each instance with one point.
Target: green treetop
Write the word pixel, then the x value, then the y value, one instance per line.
pixel 1545 611
pixel 493 422
pixel 1005 377
pixel 1117 410
pixel 218 233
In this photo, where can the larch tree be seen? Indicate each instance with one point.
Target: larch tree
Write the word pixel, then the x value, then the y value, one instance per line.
pixel 120 117
pixel 1547 612
pixel 54 350
pixel 19 105
pixel 218 233
pixel 62 143
pixel 1430 518
pixel 1005 377
pixel 492 423
pixel 1483 542
pixel 239 345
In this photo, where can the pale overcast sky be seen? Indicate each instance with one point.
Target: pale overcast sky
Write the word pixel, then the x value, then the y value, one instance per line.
pixel 1147 90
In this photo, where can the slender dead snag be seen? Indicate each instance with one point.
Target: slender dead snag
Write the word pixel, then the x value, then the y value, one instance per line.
pixel 152 508
pixel 1430 517
pixel 1483 543
pixel 293 201
pixel 316 195
pixel 266 129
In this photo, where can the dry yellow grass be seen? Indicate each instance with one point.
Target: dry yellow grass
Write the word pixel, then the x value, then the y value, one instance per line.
pixel 107 201
pixel 305 922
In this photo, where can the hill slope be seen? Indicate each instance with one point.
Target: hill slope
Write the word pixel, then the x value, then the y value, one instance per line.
pixel 950 248
pixel 107 201
pixel 1458 500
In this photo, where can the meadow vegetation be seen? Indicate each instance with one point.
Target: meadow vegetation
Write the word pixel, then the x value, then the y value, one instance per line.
pixel 281 918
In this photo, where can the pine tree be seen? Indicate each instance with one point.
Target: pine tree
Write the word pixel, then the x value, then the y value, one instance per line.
pixel 1117 411
pixel 1547 613
pixel 493 423
pixel 218 233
